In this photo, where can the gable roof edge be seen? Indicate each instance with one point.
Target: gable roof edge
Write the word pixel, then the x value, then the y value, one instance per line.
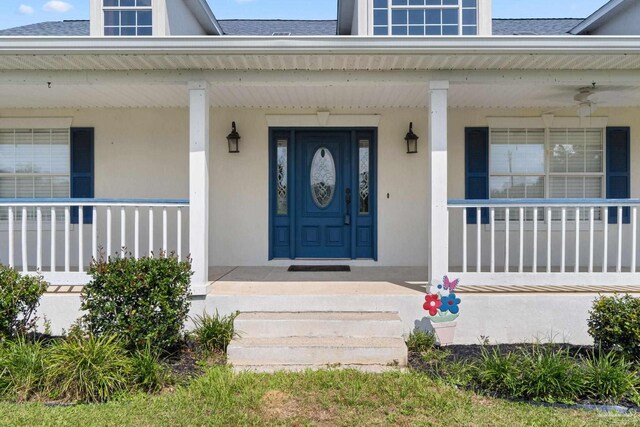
pixel 597 16
pixel 204 15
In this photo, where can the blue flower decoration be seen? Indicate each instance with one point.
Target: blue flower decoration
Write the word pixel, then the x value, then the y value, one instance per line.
pixel 450 304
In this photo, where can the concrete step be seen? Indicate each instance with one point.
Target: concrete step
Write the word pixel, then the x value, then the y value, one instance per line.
pixel 319 324
pixel 270 369
pixel 295 353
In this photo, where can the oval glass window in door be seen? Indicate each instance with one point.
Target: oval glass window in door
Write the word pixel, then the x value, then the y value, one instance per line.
pixel 322 177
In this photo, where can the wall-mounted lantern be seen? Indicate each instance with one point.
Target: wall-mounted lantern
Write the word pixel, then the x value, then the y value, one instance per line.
pixel 234 139
pixel 412 140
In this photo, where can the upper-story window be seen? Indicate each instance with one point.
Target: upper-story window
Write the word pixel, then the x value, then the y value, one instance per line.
pixel 127 17
pixel 425 17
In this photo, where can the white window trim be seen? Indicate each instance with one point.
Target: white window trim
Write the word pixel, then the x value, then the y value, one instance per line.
pixel 36 123
pixel 151 8
pixel 548 122
pixel 159 15
pixel 480 19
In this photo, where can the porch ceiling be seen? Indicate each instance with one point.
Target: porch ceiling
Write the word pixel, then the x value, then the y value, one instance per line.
pixel 305 96
pixel 317 72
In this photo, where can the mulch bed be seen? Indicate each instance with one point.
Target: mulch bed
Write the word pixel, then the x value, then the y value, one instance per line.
pixel 189 362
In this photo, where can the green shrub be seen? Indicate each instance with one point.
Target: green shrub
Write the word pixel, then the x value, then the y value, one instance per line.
pixel 614 324
pixel 139 300
pixel 499 373
pixel 21 369
pixel 609 378
pixel 92 369
pixel 421 341
pixel 19 299
pixel 551 375
pixel 148 372
pixel 214 333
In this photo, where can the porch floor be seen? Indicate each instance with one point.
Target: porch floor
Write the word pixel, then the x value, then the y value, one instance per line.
pixel 279 281
pixel 400 281
pixel 404 281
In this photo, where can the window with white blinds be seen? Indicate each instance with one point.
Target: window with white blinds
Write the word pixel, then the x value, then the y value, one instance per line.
pixel 546 163
pixel 34 163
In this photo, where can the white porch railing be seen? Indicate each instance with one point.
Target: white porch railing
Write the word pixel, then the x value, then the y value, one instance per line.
pixel 547 242
pixel 38 234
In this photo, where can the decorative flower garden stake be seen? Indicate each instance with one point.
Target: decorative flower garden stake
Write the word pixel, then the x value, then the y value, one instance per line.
pixel 443 306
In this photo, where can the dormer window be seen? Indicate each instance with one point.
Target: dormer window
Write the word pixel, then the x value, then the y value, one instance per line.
pixel 128 17
pixel 425 17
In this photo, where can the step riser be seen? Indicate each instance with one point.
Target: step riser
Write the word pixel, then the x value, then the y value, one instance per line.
pixel 261 356
pixel 318 328
pixel 409 307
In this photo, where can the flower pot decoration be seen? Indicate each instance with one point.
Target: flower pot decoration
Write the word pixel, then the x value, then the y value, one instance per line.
pixel 443 306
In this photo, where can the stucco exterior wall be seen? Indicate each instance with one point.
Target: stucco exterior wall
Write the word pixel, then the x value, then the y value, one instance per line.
pixel 240 183
pixel 239 225
pixel 139 153
pixel 143 153
pixel 461 118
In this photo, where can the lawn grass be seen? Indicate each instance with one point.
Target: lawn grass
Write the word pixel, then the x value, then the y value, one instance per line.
pixel 327 398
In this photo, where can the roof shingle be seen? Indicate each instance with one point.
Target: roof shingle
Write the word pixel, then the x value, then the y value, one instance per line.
pixel 50 28
pixel 538 27
pixel 264 27
pixel 267 27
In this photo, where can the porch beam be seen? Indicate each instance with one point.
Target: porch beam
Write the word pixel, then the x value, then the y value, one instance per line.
pixel 317 78
pixel 199 185
pixel 438 227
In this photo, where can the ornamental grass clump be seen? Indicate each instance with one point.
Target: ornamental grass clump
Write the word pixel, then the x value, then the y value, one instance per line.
pixel 550 374
pixel 499 373
pixel 420 341
pixel 19 299
pixel 88 369
pixel 22 365
pixel 214 333
pixel 148 372
pixel 140 301
pixel 609 378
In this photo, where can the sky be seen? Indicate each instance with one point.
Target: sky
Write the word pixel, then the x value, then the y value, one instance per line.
pixel 14 13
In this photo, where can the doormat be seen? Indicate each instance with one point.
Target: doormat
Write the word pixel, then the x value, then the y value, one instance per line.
pixel 319 268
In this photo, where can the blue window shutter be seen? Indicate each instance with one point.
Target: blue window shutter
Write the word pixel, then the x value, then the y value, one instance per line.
pixel 477 170
pixel 82 167
pixel 619 170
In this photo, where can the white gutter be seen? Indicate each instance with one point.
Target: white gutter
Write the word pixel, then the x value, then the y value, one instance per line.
pixel 336 45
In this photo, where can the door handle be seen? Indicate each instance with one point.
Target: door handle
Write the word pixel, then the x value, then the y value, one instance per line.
pixel 347 200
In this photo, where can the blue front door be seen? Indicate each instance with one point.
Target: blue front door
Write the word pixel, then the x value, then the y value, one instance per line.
pixel 322 193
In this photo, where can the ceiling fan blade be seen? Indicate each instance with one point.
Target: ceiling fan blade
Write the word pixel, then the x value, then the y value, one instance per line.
pixel 583 96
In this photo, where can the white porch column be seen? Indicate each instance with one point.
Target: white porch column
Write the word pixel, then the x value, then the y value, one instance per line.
pixel 438 198
pixel 199 185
